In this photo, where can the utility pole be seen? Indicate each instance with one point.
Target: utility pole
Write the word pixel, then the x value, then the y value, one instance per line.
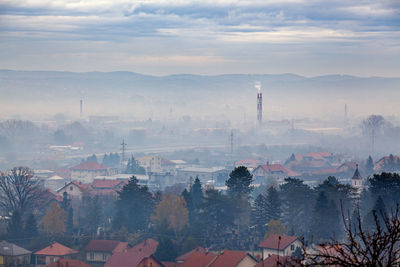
pixel 123 148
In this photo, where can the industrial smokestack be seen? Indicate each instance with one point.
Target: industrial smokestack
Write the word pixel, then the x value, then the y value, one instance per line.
pixel 81 108
pixel 257 85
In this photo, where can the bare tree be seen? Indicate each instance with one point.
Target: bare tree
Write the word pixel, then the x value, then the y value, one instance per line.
pixel 379 247
pixel 371 126
pixel 18 190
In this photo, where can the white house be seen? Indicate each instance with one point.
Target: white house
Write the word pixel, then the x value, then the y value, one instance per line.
pixel 279 245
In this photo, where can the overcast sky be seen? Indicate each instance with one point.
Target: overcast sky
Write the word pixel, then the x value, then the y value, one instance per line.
pixel 306 37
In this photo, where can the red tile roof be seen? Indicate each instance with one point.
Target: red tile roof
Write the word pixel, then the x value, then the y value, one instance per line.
pixel 198 260
pixel 229 258
pixel 56 249
pixel 279 168
pixel 89 166
pixel 277 241
pixel 275 260
pixel 126 259
pixel 169 264
pixel 149 247
pixel 106 245
pixel 185 256
pixel 68 263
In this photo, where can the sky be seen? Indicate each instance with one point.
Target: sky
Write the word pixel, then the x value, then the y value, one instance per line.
pixel 161 37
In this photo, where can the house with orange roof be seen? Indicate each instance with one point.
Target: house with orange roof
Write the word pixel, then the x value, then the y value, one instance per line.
pixel 68 263
pixel 185 256
pixel 52 253
pixel 198 260
pixel 313 161
pixel 97 252
pixel 270 173
pixel 279 245
pixel 86 171
pixel 276 260
pixel 231 258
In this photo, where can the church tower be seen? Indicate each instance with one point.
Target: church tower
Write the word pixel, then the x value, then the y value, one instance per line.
pixel 357 180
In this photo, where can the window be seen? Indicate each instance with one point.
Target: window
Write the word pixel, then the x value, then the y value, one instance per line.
pixel 91 256
pixel 104 257
pixel 292 247
pixel 151 264
pixel 71 188
pixel 51 259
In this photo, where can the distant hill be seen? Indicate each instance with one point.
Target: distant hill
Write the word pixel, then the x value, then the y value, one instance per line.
pixel 188 92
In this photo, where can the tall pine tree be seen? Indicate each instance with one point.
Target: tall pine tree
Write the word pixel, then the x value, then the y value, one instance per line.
pixel 273 204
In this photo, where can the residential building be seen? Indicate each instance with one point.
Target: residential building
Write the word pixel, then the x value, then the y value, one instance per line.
pixel 279 245
pixel 97 252
pixel 55 182
pixel 86 171
pixel 53 253
pixel 185 256
pixel 75 190
pixel 197 259
pixel 168 166
pixel 310 162
pixel 107 187
pixel 272 173
pixel 140 255
pixel 230 258
pixel 150 163
pixel 13 255
pixel 276 260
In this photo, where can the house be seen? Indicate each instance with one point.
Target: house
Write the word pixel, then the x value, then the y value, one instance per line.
pixel 13 255
pixel 197 259
pixel 108 187
pixel 230 258
pixel 310 162
pixel 75 190
pixel 270 173
pixel 86 171
pixel 68 263
pixel 140 255
pixel 97 252
pixel 388 164
pixel 185 256
pixel 53 253
pixel 279 245
pixel 276 260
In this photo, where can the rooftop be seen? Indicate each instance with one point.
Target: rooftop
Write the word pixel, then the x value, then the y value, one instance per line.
pixel 10 249
pixel 106 245
pixel 277 242
pixel 56 249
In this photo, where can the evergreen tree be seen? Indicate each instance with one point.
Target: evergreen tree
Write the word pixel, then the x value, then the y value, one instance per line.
pixel 273 204
pixel 92 158
pixel 197 193
pixel 259 216
pixel 166 250
pixel 387 186
pixel 14 226
pixel 369 166
pixel 105 161
pixel 239 182
pixel 136 204
pixel 70 221
pixel 326 219
pixel 297 201
pixel 31 229
pixel 379 210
